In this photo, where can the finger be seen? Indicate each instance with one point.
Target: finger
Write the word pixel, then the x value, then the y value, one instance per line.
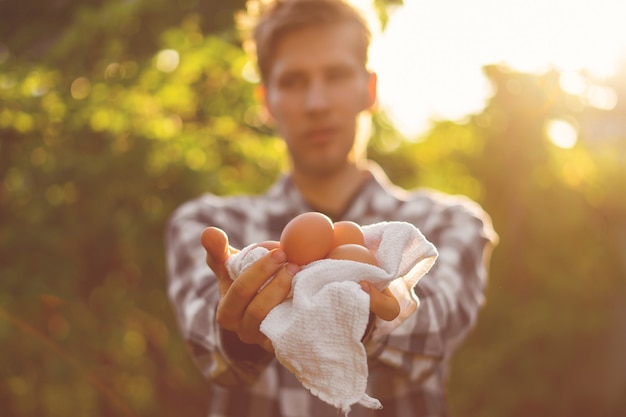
pixel 267 298
pixel 383 304
pixel 246 286
pixel 215 242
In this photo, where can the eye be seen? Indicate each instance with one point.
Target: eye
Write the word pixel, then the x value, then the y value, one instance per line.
pixel 292 82
pixel 339 74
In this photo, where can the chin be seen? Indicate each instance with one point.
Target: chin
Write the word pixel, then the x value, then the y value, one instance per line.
pixel 326 168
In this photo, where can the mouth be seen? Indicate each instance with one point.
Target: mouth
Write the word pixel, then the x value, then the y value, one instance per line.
pixel 321 135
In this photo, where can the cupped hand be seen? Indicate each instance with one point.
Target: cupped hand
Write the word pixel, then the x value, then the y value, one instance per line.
pixel 246 300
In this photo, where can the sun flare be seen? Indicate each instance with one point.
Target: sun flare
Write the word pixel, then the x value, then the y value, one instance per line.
pixel 430 57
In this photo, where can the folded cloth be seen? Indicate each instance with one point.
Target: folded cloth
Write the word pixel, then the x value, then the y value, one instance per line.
pixel 316 332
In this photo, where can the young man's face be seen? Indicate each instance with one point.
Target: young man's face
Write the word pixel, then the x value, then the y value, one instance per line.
pixel 316 87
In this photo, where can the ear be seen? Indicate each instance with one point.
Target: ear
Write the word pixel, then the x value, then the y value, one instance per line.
pixel 260 93
pixel 372 94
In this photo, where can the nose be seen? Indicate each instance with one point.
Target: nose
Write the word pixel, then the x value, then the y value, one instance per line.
pixel 317 96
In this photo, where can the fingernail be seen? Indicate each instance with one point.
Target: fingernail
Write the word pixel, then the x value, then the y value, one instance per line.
pixel 279 256
pixel 365 286
pixel 293 269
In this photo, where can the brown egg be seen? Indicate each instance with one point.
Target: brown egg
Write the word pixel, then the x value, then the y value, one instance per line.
pixel 353 252
pixel 347 232
pixel 307 238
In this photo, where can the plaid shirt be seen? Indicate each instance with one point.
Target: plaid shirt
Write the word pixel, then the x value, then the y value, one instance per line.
pixel 407 367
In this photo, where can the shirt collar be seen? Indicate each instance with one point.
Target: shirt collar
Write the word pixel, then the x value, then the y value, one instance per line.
pixel 376 187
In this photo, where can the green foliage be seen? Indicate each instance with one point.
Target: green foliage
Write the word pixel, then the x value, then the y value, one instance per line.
pixel 547 342
pixel 95 154
pixel 558 282
pixel 113 113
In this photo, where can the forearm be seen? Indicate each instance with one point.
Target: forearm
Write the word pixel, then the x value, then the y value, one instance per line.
pixel 193 292
pixel 450 297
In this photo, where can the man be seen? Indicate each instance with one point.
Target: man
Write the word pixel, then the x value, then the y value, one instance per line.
pixel 312 56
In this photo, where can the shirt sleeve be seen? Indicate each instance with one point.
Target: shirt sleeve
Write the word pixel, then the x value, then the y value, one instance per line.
pixel 450 294
pixel 193 292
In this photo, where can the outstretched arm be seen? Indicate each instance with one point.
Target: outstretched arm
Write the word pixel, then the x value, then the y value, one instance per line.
pixel 220 317
pixel 450 294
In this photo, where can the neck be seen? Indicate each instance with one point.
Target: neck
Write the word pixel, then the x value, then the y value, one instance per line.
pixel 331 194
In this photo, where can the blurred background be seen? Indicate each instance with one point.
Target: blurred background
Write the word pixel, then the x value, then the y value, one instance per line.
pixel 112 113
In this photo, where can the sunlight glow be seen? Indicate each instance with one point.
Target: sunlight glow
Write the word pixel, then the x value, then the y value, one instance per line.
pixel 430 57
pixel 80 88
pixel 600 97
pixel 167 60
pixel 562 133
pixel 572 82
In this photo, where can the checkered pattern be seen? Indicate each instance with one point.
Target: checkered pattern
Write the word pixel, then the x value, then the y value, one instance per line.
pixel 407 367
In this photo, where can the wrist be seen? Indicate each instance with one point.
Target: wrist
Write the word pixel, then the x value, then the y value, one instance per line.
pixel 239 351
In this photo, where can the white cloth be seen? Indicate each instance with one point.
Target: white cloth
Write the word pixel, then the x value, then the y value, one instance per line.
pixel 316 333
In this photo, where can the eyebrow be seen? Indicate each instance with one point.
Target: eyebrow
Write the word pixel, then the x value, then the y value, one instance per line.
pixel 330 68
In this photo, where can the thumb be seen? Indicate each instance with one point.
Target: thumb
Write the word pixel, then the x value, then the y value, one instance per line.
pixel 382 303
pixel 215 242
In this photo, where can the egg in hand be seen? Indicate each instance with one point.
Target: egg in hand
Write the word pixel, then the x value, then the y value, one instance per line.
pixel 347 232
pixel 307 238
pixel 313 236
pixel 353 252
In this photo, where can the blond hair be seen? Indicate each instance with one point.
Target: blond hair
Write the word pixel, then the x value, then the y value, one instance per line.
pixel 268 22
